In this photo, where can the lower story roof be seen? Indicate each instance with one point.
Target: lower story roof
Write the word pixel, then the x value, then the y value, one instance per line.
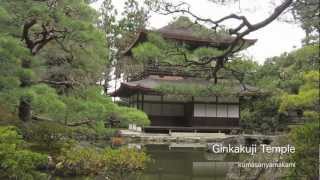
pixel 168 85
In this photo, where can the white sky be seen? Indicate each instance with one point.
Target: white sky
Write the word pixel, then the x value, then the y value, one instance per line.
pixel 273 40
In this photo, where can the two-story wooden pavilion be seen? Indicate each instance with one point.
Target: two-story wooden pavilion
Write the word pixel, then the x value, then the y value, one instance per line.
pixel 209 113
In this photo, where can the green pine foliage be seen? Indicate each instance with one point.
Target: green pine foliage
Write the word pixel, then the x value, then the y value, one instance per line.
pixel 128 115
pixel 45 101
pixel 58 81
pixel 159 50
pixel 12 54
pixel 147 52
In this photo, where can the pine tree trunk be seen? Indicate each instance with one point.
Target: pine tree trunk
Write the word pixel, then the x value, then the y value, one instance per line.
pixel 24 109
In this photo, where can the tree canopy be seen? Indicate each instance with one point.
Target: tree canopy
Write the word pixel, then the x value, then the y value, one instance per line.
pixel 52 73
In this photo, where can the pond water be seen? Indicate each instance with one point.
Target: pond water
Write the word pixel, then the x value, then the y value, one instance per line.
pixel 184 163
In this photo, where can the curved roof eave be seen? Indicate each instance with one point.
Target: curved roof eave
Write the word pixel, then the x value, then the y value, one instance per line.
pixel 143 33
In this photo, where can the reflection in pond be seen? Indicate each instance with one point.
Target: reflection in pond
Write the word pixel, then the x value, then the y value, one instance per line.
pixel 184 164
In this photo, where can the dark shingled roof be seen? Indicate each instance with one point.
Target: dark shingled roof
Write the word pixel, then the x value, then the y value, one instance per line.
pixel 190 34
pixel 151 83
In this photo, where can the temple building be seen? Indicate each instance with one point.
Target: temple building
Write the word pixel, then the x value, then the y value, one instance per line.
pixel 179 100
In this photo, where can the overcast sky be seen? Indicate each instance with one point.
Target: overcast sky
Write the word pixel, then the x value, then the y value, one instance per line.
pixel 273 40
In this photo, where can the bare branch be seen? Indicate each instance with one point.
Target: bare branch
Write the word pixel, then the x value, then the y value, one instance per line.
pixel 46 35
pixel 82 122
pixel 68 83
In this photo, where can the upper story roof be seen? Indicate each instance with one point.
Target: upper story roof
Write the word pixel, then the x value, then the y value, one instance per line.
pixel 193 34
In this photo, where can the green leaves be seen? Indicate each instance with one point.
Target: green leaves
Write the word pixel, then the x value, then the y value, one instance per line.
pixel 8 83
pixel 46 102
pixel 292 79
pixel 159 50
pixel 4 15
pixel 87 104
pixel 158 41
pixel 147 52
pixel 121 163
pixel 128 116
pixel 306 141
pixel 77 161
pixel 116 163
pixel 308 96
pixel 206 52
pixel 26 77
pixel 39 10
pixel 17 162
pixel 79 110
pixel 76 55
pixel 11 54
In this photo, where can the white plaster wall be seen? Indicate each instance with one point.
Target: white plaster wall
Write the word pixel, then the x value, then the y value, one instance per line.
pixel 222 110
pixel 200 110
pixel 233 111
pixel 211 110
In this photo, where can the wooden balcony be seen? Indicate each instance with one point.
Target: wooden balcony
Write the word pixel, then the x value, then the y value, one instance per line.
pixel 170 70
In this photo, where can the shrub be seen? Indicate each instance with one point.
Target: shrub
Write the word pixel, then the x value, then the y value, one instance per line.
pixel 6 117
pixel 79 161
pixel 121 163
pixel 102 131
pixel 17 162
pixel 88 161
pixel 48 135
pixel 306 141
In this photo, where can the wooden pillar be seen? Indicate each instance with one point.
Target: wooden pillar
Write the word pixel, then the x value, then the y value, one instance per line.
pixel 142 102
pixel 137 101
pixel 161 104
pixel 216 107
pixel 227 112
pixel 239 103
pixel 192 117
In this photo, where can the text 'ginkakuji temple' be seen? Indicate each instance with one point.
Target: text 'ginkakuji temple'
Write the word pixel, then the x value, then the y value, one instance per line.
pixel 178 95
